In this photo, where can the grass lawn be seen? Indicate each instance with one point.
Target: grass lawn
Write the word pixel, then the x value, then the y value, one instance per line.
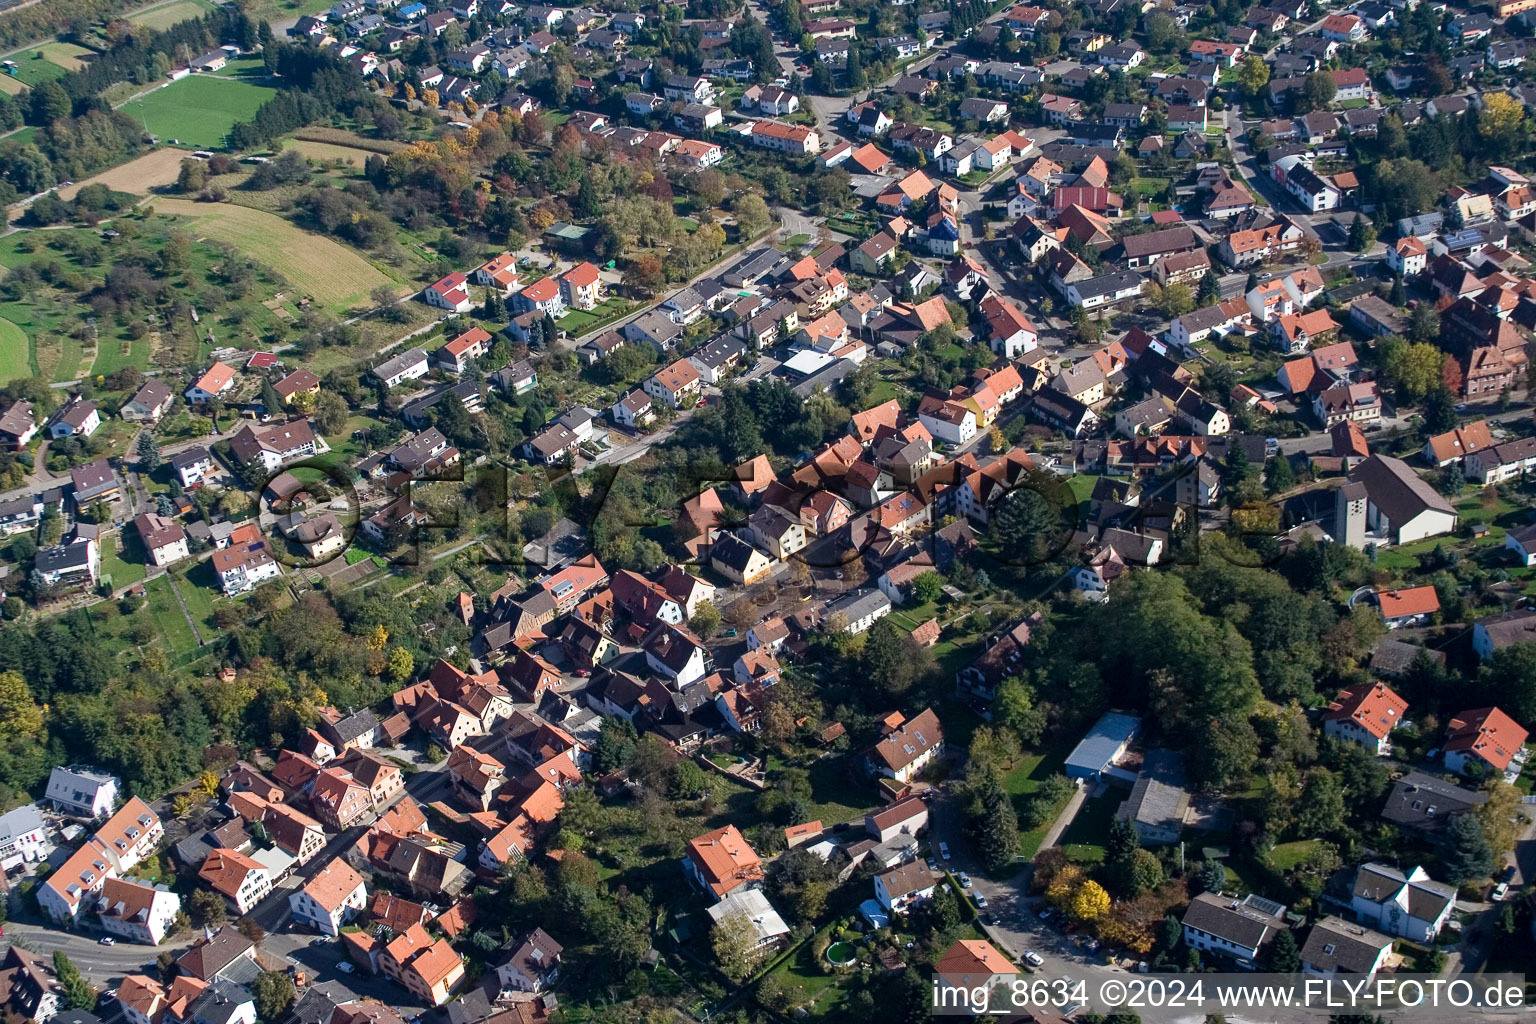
pixel 166 15
pixel 1086 837
pixel 835 796
pixel 1353 104
pixel 1149 186
pixel 910 618
pixel 168 615
pixel 1286 856
pixel 583 321
pixel 122 558
pixel 69 358
pixel 798 240
pixel 199 110
pixel 1021 783
pixel 199 600
pixel 15 352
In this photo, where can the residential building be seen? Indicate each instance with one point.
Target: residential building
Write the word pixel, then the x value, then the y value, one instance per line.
pixel 450 293
pixel 1335 947
pixel 215 382
pixel 1235 928
pixel 1408 606
pixel 240 879
pixel 900 888
pixel 533 966
pixel 137 911
pixel 408 365
pixel 164 539
pixel 722 861
pixel 82 791
pixel 1485 739
pixel 430 969
pixel 333 896
pixel 1159 799
pixel 908 748
pixel 1408 905
pixel 1365 714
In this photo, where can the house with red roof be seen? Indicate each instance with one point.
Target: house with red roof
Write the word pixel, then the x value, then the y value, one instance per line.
pixel 543 295
pixel 1365 714
pixel 212 384
pixel 450 293
pixel 1408 606
pixel 499 273
pixel 458 354
pixel 722 861
pixel 581 287
pixel 1485 736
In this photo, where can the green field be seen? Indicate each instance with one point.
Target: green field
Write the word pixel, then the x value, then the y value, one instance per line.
pixel 168 615
pixel 47 61
pixel 15 352
pixel 166 15
pixel 198 111
pixel 122 558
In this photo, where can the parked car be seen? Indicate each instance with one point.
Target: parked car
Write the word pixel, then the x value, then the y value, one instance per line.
pixel 944 850
pixel 1500 891
pixel 107 940
pixel 1032 958
pixel 932 864
pixel 965 880
pixel 345 967
pixel 981 901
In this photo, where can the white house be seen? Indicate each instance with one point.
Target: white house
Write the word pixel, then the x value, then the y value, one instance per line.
pixel 1337 947
pixel 137 911
pixel 333 896
pixel 211 385
pixel 768 928
pixel 909 748
pixel 408 365
pixel 860 611
pixel 82 791
pixel 901 887
pixel 1365 714
pixel 1235 928
pixel 23 836
pixel 1408 905
pixel 78 418
pixel 450 293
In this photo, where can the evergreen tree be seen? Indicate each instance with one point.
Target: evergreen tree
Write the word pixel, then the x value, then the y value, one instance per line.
pixel 1399 295
pixel 1284 957
pixel 1362 234
pixel 856 78
pixel 997 827
pixel 1210 290
pixel 269 399
pixel 1467 855
pixel 149 452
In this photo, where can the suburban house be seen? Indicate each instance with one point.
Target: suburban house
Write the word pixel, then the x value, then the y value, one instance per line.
pixel 241 880
pixel 1336 947
pixel 457 355
pixel 408 365
pixel 722 861
pixel 1408 904
pixel 1401 505
pixel 906 750
pixel 1235 928
pixel 215 382
pixel 77 418
pixel 901 887
pixel 1485 737
pixel 1365 714
pixel 332 897
pixel 275 446
pixel 164 540
pixel 137 911
pixel 450 293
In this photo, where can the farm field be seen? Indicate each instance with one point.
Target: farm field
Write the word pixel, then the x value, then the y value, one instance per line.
pixel 199 110
pixel 15 352
pixel 137 176
pixel 166 15
pixel 328 271
pixel 326 152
